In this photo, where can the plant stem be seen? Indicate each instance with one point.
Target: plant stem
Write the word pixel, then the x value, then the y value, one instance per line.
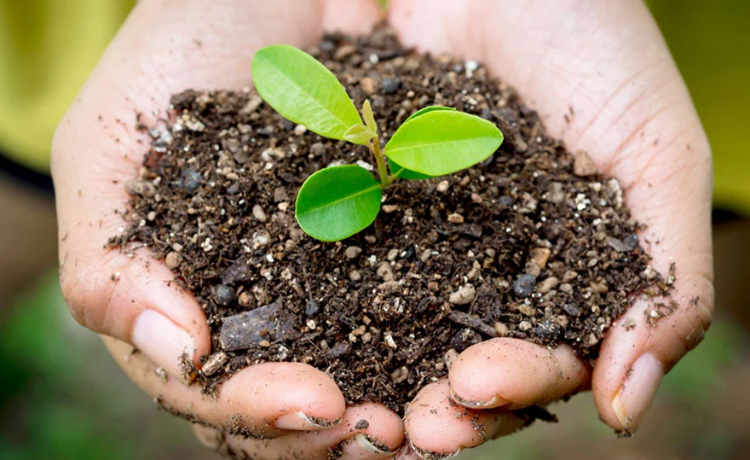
pixel 385 179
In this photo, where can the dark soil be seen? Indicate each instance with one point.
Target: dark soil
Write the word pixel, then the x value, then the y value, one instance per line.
pixel 533 243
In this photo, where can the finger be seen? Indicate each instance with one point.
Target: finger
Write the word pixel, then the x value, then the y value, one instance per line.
pixel 437 427
pixel 641 348
pixel 367 432
pixel 354 17
pixel 263 401
pixel 514 373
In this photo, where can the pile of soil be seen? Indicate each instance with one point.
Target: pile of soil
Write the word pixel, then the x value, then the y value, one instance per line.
pixel 533 243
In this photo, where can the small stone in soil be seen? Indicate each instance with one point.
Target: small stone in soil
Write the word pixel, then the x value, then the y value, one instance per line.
pixel 391 85
pixel 260 214
pixel 223 294
pixel 583 165
pixel 524 286
pixel 312 308
pixel 173 260
pixel 352 252
pixel 263 324
pixel 191 181
pixel 464 295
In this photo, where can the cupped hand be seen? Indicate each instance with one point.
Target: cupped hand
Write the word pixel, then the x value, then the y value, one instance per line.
pixel 165 47
pixel 602 79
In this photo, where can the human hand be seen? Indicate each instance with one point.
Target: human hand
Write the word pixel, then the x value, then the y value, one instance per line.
pixel 166 47
pixel 605 66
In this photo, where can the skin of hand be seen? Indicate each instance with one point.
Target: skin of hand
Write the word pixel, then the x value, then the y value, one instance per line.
pixel 603 64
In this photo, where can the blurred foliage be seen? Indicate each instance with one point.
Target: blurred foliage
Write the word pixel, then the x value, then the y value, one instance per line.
pixel 62 397
pixel 711 45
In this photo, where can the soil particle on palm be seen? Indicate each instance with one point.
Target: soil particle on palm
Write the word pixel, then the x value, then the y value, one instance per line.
pixel 532 243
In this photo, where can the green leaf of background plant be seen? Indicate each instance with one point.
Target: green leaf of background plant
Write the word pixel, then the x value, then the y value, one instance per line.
pixel 397 171
pixel 359 134
pixel 429 109
pixel 440 142
pixel 301 89
pixel 337 202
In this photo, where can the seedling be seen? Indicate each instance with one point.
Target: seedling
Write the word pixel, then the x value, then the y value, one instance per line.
pixel 340 201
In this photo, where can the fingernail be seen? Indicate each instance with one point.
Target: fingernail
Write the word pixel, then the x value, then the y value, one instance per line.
pixel 427 455
pixel 637 392
pixel 298 421
pixel 163 341
pixel 496 401
pixel 362 446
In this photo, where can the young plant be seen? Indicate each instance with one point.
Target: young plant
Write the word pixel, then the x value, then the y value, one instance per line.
pixel 339 201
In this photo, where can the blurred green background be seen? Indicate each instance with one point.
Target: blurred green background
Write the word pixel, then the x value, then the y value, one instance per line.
pixel 62 397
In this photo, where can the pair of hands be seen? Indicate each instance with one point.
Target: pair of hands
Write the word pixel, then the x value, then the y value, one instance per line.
pixel 603 66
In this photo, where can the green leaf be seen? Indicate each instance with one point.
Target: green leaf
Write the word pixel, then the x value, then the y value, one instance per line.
pixel 397 171
pixel 301 89
pixel 431 108
pixel 359 134
pixel 368 116
pixel 337 202
pixel 441 142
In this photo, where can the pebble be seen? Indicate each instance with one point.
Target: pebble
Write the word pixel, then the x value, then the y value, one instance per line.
pixel 389 208
pixel 547 285
pixel 501 329
pixel 385 272
pixel 555 193
pixel 527 310
pixel 368 85
pixel 355 275
pixel 456 218
pixel 524 326
pixel 569 275
pixel 173 260
pixel 443 186
pixel 300 130
pixel 450 357
pixel 548 328
pixel 566 288
pixel 540 256
pixel 312 308
pixel 425 256
pixel 352 252
pixel 340 349
pixel 572 310
pixel 245 330
pixel 191 180
pixel 223 294
pixel 562 320
pixel 391 85
pixel 317 149
pixel 245 299
pixel 630 243
pixel 583 165
pixel 260 214
pixel 464 295
pixel 524 286
pixel 140 187
pixel 392 255
pixel 400 374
